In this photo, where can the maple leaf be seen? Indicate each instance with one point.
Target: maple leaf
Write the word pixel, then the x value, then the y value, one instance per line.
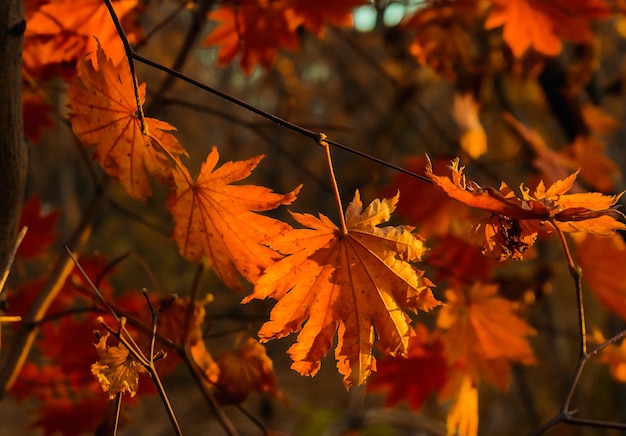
pixel 104 109
pixel 82 21
pixel 355 283
pixel 257 29
pixel 542 25
pixel 599 258
pixel 412 378
pixel 516 220
pixel 215 219
pixel 485 333
pixel 245 370
pixel 40 234
pixel 117 371
pixel 442 35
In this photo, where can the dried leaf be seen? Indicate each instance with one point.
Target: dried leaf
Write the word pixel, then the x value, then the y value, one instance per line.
pixel 592 212
pixel 358 283
pixel 217 220
pixel 117 371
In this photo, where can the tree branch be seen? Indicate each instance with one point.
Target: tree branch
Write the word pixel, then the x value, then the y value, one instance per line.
pixel 13 165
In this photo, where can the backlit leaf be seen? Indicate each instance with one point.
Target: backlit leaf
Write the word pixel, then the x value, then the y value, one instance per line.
pixel 104 114
pixel 359 284
pixel 217 221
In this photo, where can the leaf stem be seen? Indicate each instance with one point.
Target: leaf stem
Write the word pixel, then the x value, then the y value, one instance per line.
pixel 321 140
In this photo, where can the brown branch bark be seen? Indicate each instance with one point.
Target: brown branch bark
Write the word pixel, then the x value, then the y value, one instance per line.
pixel 13 153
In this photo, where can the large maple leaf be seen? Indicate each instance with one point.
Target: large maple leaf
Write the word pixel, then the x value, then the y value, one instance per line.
pixel 357 282
pixel 216 220
pixel 104 114
pixel 542 25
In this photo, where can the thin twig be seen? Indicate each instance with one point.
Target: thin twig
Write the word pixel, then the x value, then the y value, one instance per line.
pixel 131 54
pixel 576 273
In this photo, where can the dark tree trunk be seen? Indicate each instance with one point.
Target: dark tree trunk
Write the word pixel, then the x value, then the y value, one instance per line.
pixel 13 153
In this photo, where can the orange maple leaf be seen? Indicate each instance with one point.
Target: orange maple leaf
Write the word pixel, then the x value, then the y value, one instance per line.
pixel 257 29
pixel 542 25
pixel 484 333
pixel 104 114
pixel 600 258
pixel 83 20
pixel 516 220
pixel 443 35
pixel 356 282
pixel 215 219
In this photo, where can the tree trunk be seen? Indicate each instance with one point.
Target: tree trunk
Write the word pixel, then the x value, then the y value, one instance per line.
pixel 13 153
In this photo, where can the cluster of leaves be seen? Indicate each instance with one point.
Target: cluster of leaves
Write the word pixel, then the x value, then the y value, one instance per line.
pixel 355 284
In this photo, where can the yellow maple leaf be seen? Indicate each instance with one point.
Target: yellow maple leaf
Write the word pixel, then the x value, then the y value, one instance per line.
pixel 216 220
pixel 357 283
pixel 104 114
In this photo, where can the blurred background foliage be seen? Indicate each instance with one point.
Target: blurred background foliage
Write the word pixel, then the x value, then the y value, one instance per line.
pixel 363 88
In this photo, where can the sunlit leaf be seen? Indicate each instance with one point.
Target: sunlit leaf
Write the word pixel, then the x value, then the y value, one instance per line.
pixel 359 283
